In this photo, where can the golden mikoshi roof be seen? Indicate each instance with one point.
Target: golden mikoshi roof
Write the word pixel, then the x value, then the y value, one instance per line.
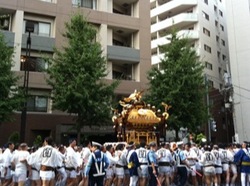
pixel 143 116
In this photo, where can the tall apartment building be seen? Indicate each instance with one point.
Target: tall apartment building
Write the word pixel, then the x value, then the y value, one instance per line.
pixel 238 16
pixel 123 30
pixel 204 22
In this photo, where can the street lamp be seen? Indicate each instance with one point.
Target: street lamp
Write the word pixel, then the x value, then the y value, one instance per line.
pixel 29 28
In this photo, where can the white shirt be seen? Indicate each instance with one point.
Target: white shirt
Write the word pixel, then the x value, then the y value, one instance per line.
pixel 1 158
pixel 112 160
pixel 1 164
pixel 224 155
pixel 122 160
pixel 79 159
pixel 217 156
pixel 191 154
pixel 18 160
pixel 71 159
pixel 142 155
pixel 61 158
pixel 7 155
pixel 198 152
pixel 32 160
pixel 47 156
pixel 230 154
pixel 164 155
pixel 85 155
pixel 207 158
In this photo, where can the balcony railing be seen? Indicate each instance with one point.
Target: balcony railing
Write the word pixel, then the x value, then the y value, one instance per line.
pixel 49 1
pixel 182 20
pixel 92 4
pixel 173 6
pixel 155 59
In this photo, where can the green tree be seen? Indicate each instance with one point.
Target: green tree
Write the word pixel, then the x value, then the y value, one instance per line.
pixel 10 96
pixel 38 141
pixel 77 75
pixel 180 83
pixel 199 138
pixel 14 137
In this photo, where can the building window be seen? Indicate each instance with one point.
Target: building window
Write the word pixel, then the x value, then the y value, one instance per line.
pixel 208 65
pixel 35 64
pixel 205 15
pixel 221 13
pixel 206 31
pixel 223 42
pixel 85 3
pixel 217 38
pixel 5 22
pixel 122 72
pixel 117 43
pixel 40 28
pixel 37 103
pixel 206 1
pixel 207 48
pixel 222 27
pixel 216 23
pixel 219 70
pixel 210 83
pixel 218 54
pixel 224 57
pixel 215 8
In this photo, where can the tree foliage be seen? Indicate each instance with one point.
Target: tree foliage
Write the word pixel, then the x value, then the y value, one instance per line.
pixel 77 73
pixel 199 138
pixel 10 95
pixel 180 83
pixel 38 141
pixel 14 137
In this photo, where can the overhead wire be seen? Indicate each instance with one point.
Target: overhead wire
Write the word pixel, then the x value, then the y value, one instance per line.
pixel 233 85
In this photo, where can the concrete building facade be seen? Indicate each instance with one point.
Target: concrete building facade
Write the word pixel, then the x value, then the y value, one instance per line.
pixel 123 31
pixel 204 23
pixel 238 21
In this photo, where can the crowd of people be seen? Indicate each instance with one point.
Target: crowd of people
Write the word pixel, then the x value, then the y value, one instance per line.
pixel 122 164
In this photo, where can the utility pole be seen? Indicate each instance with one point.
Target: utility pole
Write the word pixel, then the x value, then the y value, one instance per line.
pixel 228 99
pixel 29 29
pixel 208 111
